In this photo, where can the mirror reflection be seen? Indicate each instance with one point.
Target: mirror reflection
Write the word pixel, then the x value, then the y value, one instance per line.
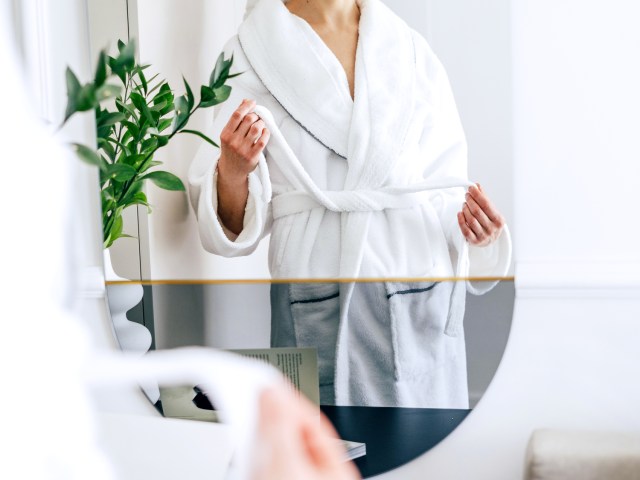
pixel 355 157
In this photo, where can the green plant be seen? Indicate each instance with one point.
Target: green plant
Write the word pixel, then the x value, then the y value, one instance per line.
pixel 142 116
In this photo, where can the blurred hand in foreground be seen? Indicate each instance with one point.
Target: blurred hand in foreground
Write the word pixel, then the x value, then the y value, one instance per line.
pixel 296 442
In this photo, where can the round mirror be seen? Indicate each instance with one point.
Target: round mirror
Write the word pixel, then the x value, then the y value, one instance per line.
pixel 419 347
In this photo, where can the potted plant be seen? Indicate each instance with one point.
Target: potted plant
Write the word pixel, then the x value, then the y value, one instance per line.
pixel 142 116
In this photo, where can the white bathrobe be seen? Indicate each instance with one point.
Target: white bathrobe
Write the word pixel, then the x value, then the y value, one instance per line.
pixel 364 188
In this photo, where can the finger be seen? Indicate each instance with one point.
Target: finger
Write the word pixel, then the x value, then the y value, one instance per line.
pixel 479 214
pixel 255 130
pixel 271 421
pixel 466 231
pixel 277 440
pixel 487 207
pixel 248 120
pixel 261 143
pixel 324 449
pixel 473 223
pixel 324 452
pixel 236 117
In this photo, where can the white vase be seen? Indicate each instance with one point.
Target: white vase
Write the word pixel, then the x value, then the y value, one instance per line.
pixel 131 336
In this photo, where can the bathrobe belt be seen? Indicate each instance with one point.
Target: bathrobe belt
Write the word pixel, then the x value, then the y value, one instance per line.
pixel 343 201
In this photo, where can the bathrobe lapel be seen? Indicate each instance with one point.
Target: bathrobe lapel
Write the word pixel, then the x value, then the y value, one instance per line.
pixel 306 78
pixel 384 93
pixel 301 73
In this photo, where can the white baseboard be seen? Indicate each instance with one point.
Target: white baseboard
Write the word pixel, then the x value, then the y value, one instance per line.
pixel 588 279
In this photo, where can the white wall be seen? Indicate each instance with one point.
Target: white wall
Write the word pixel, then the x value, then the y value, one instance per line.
pixel 578 153
pixel 185 38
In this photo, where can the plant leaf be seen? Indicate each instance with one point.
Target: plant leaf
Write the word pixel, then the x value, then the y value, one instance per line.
pixel 133 160
pixel 211 97
pixel 202 136
pixel 117 70
pixel 73 90
pixel 165 94
pixel 143 80
pixel 148 165
pixel 110 118
pixel 73 84
pixel 105 92
pixel 162 140
pixel 220 72
pixel 150 145
pixel 190 98
pixel 132 128
pixel 125 148
pixel 141 104
pixel 107 203
pixel 222 93
pixel 216 71
pixel 126 107
pixel 134 189
pixel 207 96
pixel 101 69
pixel 125 61
pixel 158 107
pixel 165 89
pixel 182 113
pixel 86 99
pixel 120 172
pixel 107 148
pixel 139 198
pixel 116 229
pixel 165 180
pixel 89 156
pixel 164 124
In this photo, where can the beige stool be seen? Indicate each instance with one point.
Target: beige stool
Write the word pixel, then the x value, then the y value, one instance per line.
pixel 575 455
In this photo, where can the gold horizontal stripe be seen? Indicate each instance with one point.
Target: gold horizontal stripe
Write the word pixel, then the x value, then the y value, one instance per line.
pixel 310 280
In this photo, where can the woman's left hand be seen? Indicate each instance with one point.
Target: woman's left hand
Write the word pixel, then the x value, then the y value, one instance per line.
pixel 480 222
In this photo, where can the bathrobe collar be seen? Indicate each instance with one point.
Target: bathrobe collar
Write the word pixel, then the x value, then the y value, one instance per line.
pixel 306 78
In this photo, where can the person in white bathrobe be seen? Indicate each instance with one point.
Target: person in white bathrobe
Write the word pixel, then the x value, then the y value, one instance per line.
pixel 347 148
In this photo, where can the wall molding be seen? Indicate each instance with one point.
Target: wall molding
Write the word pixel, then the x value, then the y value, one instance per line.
pixel 578 279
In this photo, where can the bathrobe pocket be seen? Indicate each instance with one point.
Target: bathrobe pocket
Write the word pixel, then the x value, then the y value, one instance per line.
pixel 418 314
pixel 315 308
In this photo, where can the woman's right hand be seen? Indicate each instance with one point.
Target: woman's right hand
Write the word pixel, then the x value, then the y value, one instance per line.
pixel 242 140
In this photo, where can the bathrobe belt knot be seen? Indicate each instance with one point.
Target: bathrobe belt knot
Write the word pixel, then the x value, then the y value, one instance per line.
pixel 342 201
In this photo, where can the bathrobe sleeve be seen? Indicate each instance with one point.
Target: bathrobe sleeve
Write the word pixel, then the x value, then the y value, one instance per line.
pixel 444 148
pixel 203 194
